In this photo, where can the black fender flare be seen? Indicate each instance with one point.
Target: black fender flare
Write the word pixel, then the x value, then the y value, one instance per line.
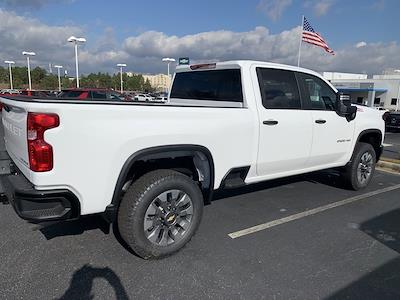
pixel 368 131
pixel 158 152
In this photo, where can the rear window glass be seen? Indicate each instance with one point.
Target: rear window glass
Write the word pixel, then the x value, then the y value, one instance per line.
pixel 215 85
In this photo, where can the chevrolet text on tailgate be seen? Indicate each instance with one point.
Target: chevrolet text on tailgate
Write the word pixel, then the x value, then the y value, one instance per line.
pixel 152 167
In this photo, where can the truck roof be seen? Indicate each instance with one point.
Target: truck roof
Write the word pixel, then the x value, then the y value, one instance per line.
pixel 244 63
pixel 236 64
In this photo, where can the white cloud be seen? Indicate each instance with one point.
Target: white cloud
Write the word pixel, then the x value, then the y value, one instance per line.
pixel 378 5
pixel 273 8
pixel 319 7
pixel 19 34
pixel 30 3
pixel 144 51
pixel 361 44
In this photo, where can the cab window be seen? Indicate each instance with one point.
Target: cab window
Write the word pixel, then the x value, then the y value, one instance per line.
pixel 316 93
pixel 278 89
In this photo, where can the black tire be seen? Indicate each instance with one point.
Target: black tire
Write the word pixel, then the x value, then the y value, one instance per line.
pixel 353 171
pixel 137 201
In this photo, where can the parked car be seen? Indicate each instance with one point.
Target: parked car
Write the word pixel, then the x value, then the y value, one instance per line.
pixel 94 94
pixel 392 121
pixel 34 93
pixel 381 108
pixel 143 97
pixel 161 99
pixel 9 92
pixel 151 168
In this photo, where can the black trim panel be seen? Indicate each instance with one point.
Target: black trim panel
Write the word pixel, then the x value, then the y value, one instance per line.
pixel 235 177
pixel 36 205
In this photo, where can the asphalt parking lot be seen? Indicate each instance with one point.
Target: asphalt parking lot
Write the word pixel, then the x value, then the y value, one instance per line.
pixel 316 240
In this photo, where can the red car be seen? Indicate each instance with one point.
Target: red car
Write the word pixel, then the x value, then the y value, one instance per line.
pixel 34 93
pixel 94 94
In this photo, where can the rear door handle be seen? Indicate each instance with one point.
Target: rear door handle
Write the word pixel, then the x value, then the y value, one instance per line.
pixel 270 122
pixel 320 121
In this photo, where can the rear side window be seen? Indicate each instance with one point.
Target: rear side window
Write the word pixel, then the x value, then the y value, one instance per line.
pixel 278 89
pixel 99 95
pixel 215 85
pixel 70 94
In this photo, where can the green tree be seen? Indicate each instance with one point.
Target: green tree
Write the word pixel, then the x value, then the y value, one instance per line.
pixel 49 82
pixel 147 86
pixel 37 75
pixel 4 75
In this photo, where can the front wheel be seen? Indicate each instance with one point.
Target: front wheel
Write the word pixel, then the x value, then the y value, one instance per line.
pixel 358 173
pixel 160 213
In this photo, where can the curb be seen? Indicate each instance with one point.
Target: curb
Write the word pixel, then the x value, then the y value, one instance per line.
pixel 389 166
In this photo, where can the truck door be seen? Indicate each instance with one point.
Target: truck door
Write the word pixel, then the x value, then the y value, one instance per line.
pixel 332 134
pixel 285 129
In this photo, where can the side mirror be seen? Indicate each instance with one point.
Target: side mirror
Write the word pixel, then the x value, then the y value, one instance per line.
pixel 344 107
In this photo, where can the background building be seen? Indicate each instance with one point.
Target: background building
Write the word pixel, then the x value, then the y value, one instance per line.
pixel 378 91
pixel 160 82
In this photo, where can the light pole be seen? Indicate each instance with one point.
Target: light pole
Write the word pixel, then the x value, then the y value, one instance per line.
pixel 122 82
pixel 76 40
pixel 168 60
pixel 59 77
pixel 28 54
pixel 10 63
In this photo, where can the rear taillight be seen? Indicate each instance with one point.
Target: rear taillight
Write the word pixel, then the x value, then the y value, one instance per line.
pixel 40 152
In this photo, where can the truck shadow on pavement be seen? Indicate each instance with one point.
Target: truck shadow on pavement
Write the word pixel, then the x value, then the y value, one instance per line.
pixel 82 283
pixel 75 227
pixel 384 282
pixel 327 177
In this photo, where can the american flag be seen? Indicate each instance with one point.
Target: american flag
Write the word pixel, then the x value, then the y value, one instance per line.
pixel 314 38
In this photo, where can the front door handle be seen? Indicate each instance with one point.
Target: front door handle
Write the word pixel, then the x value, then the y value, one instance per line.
pixel 320 121
pixel 270 122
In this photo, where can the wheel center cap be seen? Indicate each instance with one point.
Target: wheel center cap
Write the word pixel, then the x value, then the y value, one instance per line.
pixel 170 218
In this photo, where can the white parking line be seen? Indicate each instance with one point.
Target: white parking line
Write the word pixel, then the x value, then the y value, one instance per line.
pixel 310 212
pixel 387 145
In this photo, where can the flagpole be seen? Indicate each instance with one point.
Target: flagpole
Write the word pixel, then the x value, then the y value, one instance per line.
pixel 301 39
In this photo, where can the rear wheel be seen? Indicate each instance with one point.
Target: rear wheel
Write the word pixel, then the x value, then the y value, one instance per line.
pixel 358 173
pixel 160 213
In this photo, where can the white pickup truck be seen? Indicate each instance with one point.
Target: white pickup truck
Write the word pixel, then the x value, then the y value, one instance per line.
pixel 152 167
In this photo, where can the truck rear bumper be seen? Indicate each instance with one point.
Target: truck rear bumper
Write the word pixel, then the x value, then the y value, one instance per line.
pixel 37 205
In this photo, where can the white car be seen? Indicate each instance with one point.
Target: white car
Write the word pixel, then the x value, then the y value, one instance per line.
pixel 9 91
pixel 151 168
pixel 161 99
pixel 143 97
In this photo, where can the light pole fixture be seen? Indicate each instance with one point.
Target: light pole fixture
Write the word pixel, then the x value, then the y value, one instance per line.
pixel 59 76
pixel 76 41
pixel 28 54
pixel 168 60
pixel 122 82
pixel 10 63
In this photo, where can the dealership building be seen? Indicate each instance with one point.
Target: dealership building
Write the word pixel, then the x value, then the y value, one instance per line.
pixel 378 91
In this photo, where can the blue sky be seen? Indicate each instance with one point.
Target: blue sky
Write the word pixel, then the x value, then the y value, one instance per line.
pixel 109 25
pixel 344 22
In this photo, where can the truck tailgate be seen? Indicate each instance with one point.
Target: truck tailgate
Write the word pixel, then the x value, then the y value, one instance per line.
pixel 14 120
